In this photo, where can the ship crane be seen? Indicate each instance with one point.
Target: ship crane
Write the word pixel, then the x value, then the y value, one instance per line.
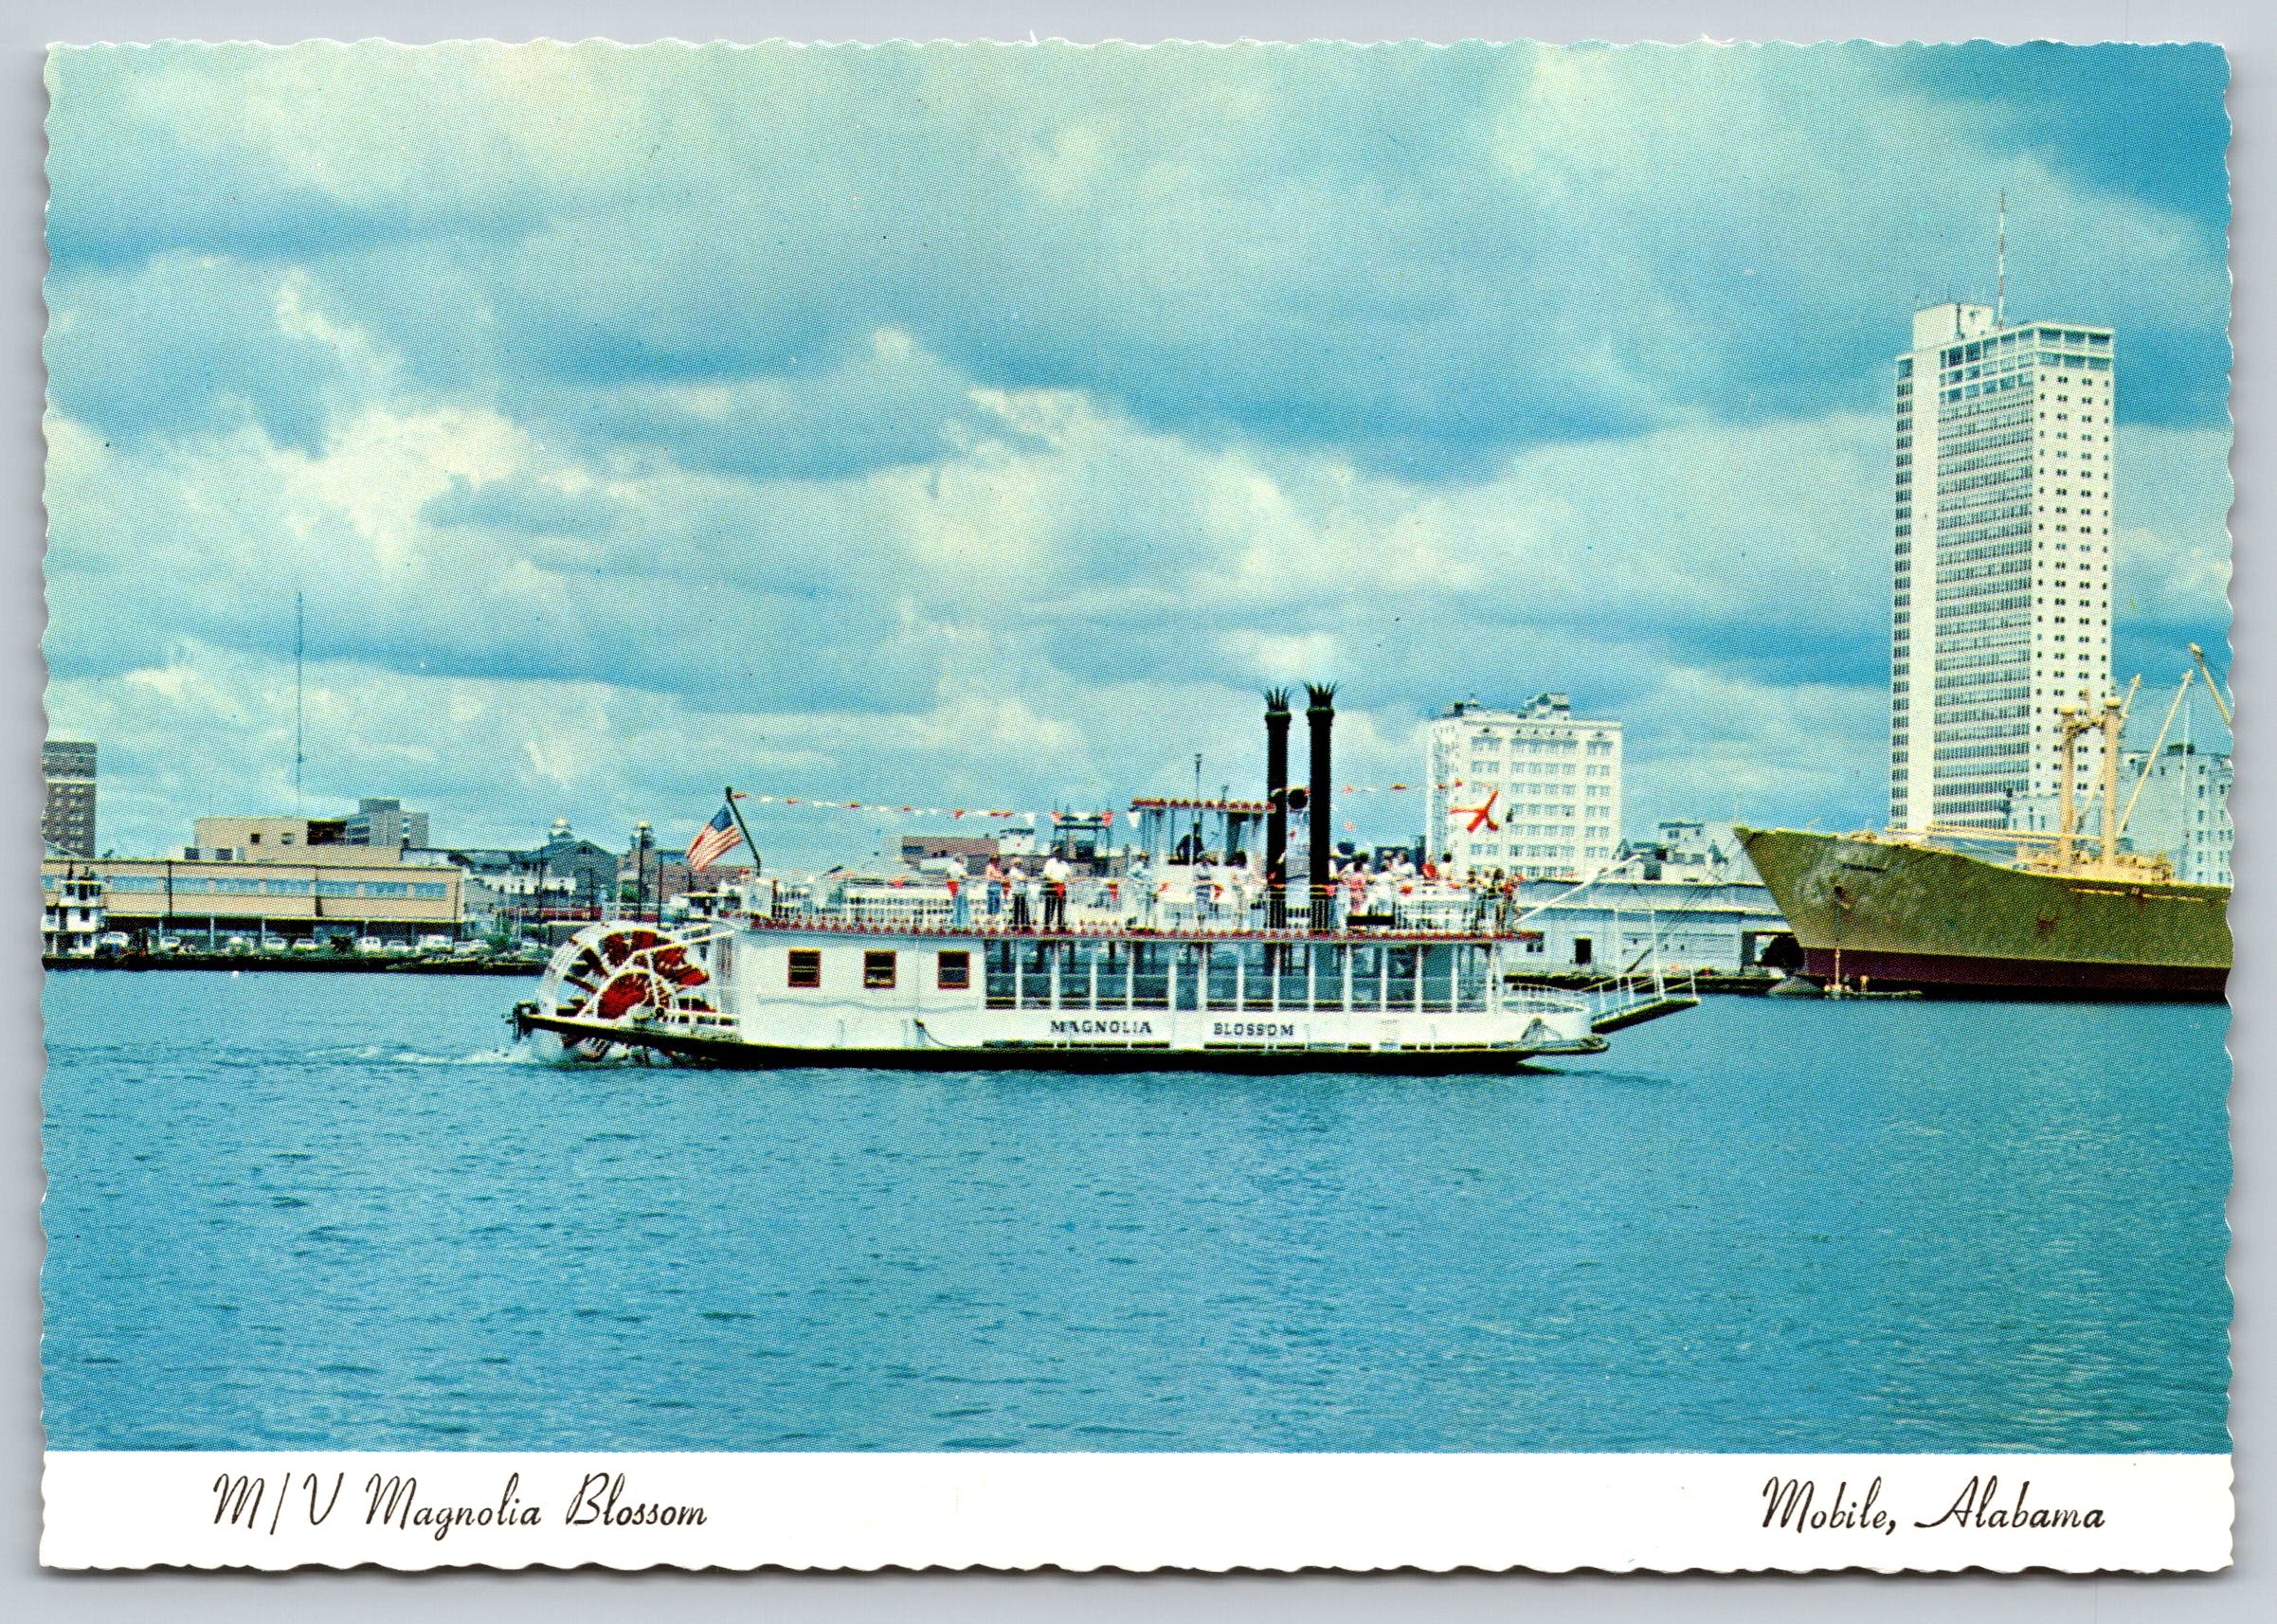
pixel 2212 687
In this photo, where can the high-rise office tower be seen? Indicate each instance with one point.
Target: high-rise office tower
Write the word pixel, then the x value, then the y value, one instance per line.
pixel 2002 586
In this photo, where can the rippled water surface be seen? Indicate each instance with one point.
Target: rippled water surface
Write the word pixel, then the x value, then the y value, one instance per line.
pixel 304 1210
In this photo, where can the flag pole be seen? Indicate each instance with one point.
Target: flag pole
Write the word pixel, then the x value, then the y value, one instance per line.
pixel 749 844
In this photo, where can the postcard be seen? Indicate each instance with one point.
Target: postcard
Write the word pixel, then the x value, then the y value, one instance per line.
pixel 1195 807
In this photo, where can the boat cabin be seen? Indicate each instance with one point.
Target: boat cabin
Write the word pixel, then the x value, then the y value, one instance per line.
pixel 1439 976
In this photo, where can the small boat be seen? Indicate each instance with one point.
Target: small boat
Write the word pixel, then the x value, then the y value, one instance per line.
pixel 1859 989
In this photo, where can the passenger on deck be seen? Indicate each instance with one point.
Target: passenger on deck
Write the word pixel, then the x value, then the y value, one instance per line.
pixel 1056 875
pixel 1022 889
pixel 1381 889
pixel 960 895
pixel 995 878
pixel 1244 888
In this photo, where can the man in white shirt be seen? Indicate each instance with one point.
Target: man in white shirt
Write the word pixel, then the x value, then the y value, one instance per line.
pixel 1056 874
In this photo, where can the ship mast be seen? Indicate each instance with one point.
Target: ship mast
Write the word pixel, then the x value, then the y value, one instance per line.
pixel 2114 714
pixel 2066 814
pixel 2199 654
pixel 2107 720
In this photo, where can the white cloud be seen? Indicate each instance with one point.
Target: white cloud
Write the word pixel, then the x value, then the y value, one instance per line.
pixel 994 424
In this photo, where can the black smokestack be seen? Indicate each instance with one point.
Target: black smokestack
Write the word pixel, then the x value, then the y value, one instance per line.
pixel 1321 714
pixel 1276 808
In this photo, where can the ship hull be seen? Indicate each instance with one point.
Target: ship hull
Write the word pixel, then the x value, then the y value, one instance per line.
pixel 1909 917
pixel 738 1054
pixel 1954 975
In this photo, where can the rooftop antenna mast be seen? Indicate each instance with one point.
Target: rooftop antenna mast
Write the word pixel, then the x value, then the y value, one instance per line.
pixel 299 670
pixel 2000 277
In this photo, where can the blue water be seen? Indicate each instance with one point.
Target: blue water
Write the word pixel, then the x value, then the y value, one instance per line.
pixel 337 1211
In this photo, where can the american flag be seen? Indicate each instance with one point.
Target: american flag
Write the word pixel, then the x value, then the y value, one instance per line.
pixel 714 841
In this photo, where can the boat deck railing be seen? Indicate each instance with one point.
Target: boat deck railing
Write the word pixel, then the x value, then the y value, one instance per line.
pixel 1446 914
pixel 697 1023
pixel 1642 993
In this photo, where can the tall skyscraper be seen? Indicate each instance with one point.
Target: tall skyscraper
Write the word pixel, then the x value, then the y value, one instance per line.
pixel 68 821
pixel 2002 584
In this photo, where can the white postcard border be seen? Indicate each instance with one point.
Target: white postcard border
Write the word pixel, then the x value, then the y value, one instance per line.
pixel 1550 1513
pixel 2248 1413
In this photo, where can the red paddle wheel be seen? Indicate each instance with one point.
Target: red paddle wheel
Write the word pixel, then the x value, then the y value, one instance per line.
pixel 620 974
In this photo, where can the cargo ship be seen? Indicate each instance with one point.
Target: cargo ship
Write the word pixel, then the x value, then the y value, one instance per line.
pixel 2064 916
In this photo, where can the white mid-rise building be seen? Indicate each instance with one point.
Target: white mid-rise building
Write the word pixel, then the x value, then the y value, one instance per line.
pixel 1535 791
pixel 2181 809
pixel 2002 584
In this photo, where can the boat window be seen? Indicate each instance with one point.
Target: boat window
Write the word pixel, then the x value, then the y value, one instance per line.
pixel 806 966
pixel 1226 959
pixel 1290 961
pixel 1114 976
pixel 1258 965
pixel 877 967
pixel 1400 978
pixel 1471 967
pixel 1078 962
pixel 1149 975
pixel 1003 991
pixel 956 969
pixel 1368 978
pixel 1036 974
pixel 1188 979
pixel 1439 977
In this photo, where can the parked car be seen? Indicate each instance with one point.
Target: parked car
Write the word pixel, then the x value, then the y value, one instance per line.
pixel 395 947
pixel 112 941
pixel 369 944
pixel 170 944
pixel 237 945
pixel 470 950
pixel 274 944
pixel 306 945
pixel 434 944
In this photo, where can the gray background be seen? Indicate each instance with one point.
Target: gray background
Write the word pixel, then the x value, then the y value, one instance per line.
pixel 2245 27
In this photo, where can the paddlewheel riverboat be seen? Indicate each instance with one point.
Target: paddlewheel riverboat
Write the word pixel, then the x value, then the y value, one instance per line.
pixel 806 991
pixel 1294 983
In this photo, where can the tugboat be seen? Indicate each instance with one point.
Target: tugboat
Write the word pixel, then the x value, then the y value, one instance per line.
pixel 764 981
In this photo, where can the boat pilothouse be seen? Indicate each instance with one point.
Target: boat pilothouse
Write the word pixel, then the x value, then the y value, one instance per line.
pixel 765 977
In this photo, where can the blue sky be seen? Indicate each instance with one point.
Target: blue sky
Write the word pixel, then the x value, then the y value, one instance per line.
pixel 989 424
